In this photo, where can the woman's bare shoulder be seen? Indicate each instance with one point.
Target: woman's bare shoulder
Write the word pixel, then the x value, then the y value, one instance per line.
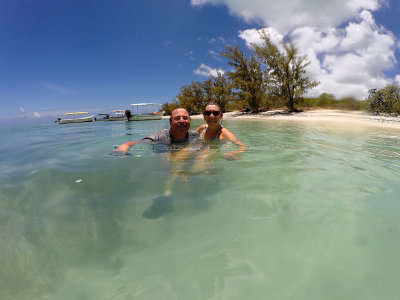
pixel 227 134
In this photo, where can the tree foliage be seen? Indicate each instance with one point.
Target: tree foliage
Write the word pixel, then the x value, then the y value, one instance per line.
pixel 385 100
pixel 329 101
pixel 197 95
pixel 221 91
pixel 192 97
pixel 206 88
pixel 247 77
pixel 169 107
pixel 273 77
pixel 285 70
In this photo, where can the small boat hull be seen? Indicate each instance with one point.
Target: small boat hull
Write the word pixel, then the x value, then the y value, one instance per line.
pixel 102 117
pixel 77 120
pixel 146 117
pixel 117 119
pixel 145 112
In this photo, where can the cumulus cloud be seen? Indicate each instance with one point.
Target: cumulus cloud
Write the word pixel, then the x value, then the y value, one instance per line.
pixel 252 36
pixel 207 71
pixel 347 61
pixel 285 15
pixel 348 51
pixel 36 115
pixel 397 79
pixel 21 109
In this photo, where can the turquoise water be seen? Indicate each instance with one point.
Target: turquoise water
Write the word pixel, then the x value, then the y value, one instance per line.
pixel 309 212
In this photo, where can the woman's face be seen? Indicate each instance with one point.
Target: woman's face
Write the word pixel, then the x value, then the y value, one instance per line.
pixel 212 114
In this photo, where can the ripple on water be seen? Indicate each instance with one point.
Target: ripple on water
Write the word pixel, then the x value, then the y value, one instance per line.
pixel 305 206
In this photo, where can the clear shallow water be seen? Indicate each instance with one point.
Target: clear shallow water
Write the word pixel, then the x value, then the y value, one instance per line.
pixel 308 213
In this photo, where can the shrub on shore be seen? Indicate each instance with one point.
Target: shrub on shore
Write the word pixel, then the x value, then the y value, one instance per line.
pixel 385 100
pixel 329 101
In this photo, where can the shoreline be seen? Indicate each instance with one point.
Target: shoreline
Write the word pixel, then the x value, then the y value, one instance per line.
pixel 319 115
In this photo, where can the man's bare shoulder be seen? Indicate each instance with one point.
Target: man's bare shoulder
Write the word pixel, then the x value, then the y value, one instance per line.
pixel 201 127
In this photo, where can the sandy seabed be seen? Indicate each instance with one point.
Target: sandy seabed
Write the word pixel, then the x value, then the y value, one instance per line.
pixel 325 115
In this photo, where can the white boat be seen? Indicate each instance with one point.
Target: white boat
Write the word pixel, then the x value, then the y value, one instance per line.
pixel 146 111
pixel 117 115
pixel 102 117
pixel 76 117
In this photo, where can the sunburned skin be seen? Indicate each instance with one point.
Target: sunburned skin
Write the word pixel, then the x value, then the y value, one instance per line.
pixel 179 123
pixel 212 130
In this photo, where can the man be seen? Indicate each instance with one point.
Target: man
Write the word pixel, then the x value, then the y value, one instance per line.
pixel 179 132
pixel 178 136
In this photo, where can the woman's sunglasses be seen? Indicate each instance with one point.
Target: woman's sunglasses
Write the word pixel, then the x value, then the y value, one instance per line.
pixel 208 113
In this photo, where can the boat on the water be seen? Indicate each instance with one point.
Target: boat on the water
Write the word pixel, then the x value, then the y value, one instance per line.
pixel 102 117
pixel 117 115
pixel 75 117
pixel 145 112
pixel 114 115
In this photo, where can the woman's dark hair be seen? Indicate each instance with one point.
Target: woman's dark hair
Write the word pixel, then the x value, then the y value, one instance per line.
pixel 212 103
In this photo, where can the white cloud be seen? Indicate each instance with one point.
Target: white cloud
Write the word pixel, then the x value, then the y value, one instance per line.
pixel 167 43
pixel 214 54
pixel 397 79
pixel 285 15
pixel 21 109
pixel 207 71
pixel 219 40
pixel 198 2
pixel 350 61
pixel 59 89
pixel 190 55
pixel 252 36
pixel 347 60
pixel 36 115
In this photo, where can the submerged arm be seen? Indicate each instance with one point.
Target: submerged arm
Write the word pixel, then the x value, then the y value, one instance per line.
pixel 125 147
pixel 150 139
pixel 201 128
pixel 235 154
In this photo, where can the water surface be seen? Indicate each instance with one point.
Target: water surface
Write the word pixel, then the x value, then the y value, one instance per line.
pixel 309 212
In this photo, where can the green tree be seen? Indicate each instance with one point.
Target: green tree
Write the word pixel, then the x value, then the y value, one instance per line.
pixel 350 103
pixel 385 100
pixel 206 87
pixel 247 77
pixel 192 97
pixel 286 70
pixel 221 91
pixel 169 107
pixel 326 99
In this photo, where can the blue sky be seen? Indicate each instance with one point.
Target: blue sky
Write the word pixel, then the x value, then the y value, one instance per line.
pixel 58 56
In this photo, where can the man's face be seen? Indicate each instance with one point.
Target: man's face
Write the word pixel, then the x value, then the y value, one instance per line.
pixel 179 122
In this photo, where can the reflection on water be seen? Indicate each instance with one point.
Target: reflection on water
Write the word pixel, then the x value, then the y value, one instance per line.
pixel 307 213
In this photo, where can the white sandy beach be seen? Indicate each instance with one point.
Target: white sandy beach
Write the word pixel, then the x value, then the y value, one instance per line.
pixel 322 115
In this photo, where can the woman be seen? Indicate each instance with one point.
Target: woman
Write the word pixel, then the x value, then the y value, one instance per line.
pixel 214 131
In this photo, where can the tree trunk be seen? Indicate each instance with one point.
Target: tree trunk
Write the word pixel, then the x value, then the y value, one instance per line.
pixel 291 104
